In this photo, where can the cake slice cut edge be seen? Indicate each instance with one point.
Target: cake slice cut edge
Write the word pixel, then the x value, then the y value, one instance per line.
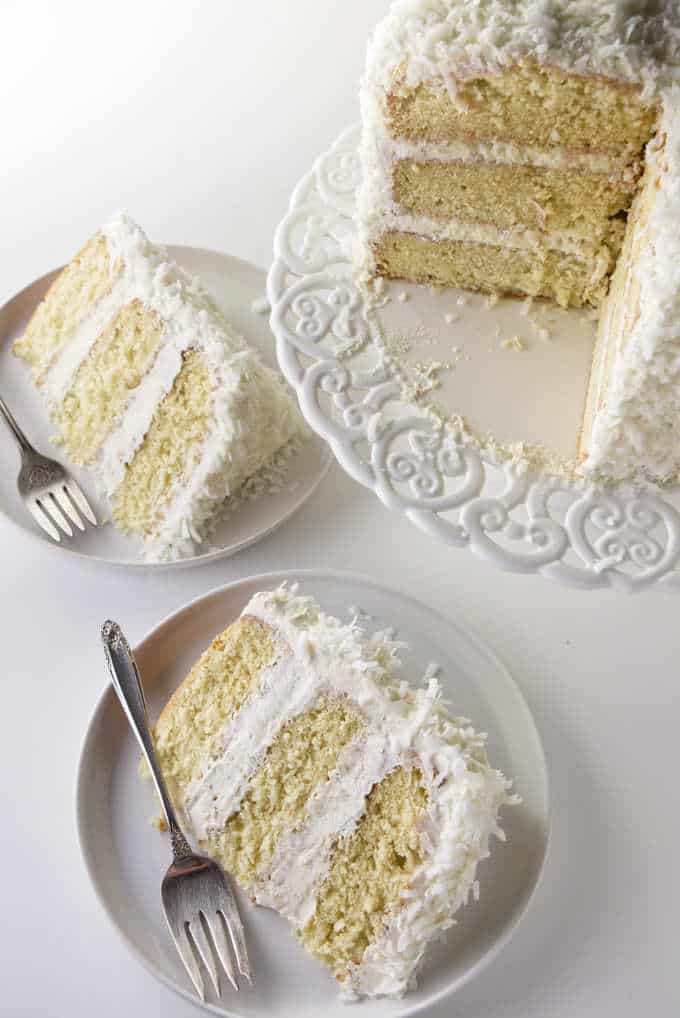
pixel 335 793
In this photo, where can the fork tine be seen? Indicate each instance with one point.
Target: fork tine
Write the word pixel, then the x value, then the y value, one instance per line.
pixel 48 504
pixel 186 953
pixel 43 520
pixel 203 947
pixel 80 501
pixel 68 507
pixel 232 919
pixel 218 932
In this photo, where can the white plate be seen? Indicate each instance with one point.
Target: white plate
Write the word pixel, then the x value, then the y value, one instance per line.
pixel 126 857
pixel 235 284
pixel 329 347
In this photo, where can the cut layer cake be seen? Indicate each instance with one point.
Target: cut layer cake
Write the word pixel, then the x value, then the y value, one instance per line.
pixel 533 149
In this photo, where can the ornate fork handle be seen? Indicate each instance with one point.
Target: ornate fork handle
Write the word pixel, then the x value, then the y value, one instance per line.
pixel 127 684
pixel 22 441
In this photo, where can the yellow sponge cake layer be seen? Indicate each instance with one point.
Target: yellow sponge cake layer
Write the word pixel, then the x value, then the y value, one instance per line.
pixel 540 272
pixel 170 450
pixel 75 291
pixel 529 104
pixel 369 871
pixel 300 758
pixel 188 731
pixel 540 198
pixel 104 383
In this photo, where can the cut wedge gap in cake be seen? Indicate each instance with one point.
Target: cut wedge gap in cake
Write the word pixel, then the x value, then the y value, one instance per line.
pixel 153 390
pixel 330 788
pixel 504 149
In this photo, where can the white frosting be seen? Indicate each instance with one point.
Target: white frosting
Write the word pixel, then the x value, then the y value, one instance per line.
pixel 253 415
pixel 635 433
pixel 521 238
pixel 254 418
pixel 377 211
pixel 331 813
pixel 65 364
pixel 404 726
pixel 126 438
pixel 557 157
pixel 632 40
pixel 284 691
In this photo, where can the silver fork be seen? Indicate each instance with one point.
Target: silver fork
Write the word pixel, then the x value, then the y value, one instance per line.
pixel 197 897
pixel 48 491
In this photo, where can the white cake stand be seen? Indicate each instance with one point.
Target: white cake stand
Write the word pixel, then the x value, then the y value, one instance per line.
pixel 329 342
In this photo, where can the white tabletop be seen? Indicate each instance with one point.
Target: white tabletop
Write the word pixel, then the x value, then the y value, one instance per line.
pixel 198 120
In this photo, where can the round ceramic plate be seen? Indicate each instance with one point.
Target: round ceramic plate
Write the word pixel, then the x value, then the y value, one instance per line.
pixel 235 284
pixel 517 373
pixel 126 857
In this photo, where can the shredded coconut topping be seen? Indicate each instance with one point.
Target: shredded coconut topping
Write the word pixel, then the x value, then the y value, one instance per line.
pixel 633 40
pixel 635 433
pixel 245 391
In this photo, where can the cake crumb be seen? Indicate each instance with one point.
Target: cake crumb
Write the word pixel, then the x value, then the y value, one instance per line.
pixel 159 823
pixel 357 614
pixel 527 305
pixel 428 377
pixel 515 343
pixel 432 671
pixel 491 300
pixel 450 318
pixel 544 333
pixel 403 297
pixel 261 306
pixel 461 301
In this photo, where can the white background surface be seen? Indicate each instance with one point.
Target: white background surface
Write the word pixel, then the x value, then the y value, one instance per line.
pixel 199 119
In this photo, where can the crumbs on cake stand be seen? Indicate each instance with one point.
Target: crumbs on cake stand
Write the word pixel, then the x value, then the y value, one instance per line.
pixel 515 343
pixel 261 305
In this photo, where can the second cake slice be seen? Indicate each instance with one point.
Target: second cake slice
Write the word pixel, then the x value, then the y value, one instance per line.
pixel 150 386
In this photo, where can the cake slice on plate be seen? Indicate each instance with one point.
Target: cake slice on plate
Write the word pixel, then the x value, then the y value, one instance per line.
pixel 150 386
pixel 333 791
pixel 530 148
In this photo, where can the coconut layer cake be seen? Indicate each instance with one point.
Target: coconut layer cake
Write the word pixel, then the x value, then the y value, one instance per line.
pixel 529 147
pixel 333 791
pixel 150 386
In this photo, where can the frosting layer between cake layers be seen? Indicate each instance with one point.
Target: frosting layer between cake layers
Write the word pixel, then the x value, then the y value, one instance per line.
pixel 319 659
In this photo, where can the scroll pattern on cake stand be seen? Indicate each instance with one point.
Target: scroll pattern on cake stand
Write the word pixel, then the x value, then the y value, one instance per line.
pixel 329 348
